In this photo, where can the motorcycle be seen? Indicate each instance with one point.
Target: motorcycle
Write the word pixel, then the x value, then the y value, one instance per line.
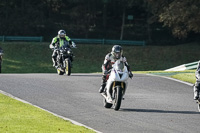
pixel 116 85
pixel 64 58
pixel 1 57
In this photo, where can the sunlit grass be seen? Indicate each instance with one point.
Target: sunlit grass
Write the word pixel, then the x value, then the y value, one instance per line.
pixel 11 61
pixel 13 67
pixel 187 75
pixel 18 117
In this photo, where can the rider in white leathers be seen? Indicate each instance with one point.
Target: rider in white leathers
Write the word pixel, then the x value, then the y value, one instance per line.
pixel 110 59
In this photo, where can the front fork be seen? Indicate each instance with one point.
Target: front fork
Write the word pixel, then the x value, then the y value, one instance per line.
pixel 113 90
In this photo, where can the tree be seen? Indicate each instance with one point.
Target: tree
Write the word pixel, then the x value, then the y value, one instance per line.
pixel 181 16
pixel 126 4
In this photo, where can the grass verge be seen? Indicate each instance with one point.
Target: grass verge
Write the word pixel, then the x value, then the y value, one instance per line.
pixel 187 75
pixel 35 57
pixel 19 117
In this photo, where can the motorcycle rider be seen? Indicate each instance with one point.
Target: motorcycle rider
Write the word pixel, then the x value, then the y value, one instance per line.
pixel 110 59
pixel 197 84
pixel 58 41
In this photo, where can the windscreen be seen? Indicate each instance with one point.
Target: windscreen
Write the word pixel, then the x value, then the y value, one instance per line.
pixel 120 65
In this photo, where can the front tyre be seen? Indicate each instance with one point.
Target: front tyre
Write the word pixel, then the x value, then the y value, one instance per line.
pixel 68 67
pixel 118 97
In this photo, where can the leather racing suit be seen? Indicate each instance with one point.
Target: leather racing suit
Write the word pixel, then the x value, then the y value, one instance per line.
pixel 107 65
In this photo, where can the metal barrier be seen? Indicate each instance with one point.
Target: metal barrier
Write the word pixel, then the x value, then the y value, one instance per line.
pixel 21 38
pixel 105 41
pixel 82 41
pixel 192 65
pixel 183 67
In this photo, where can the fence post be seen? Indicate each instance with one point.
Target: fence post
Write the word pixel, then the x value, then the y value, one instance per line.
pixel 41 38
pixel 3 39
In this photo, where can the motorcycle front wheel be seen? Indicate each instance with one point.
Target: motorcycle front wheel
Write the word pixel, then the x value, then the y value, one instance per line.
pixel 118 97
pixel 68 67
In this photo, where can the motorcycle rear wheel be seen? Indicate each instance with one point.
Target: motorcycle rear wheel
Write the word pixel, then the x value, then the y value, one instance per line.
pixel 118 97
pixel 68 67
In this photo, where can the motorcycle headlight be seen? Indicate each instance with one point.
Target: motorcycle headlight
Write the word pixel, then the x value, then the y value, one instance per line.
pixel 69 52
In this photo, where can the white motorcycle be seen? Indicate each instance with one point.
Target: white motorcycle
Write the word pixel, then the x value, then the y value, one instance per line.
pixel 116 85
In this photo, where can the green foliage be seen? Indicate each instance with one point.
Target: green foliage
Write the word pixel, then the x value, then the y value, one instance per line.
pixel 81 19
pixel 100 18
pixel 181 16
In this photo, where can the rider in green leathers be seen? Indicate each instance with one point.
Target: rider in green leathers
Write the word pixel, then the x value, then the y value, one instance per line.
pixel 58 41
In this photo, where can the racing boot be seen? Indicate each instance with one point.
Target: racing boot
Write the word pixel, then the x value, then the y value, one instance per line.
pixel 101 90
pixel 54 62
pixel 103 84
pixel 196 93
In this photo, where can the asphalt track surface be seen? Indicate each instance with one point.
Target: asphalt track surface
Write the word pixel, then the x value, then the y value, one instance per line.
pixel 152 104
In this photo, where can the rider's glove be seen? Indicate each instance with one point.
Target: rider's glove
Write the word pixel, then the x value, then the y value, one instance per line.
pixel 73 45
pixel 51 47
pixel 130 74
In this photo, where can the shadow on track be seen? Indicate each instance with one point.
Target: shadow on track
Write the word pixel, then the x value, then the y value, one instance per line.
pixel 158 111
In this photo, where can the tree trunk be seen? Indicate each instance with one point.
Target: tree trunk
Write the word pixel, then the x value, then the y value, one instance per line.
pixel 148 24
pixel 123 23
pixel 104 19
